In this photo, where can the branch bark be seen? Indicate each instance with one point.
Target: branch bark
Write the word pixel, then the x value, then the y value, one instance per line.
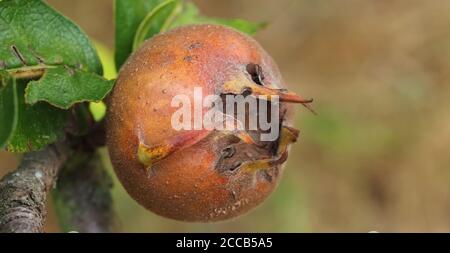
pixel 23 192
pixel 82 196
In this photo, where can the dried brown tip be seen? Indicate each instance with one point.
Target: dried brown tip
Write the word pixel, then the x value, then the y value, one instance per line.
pixel 242 85
pixel 288 135
pixel 263 164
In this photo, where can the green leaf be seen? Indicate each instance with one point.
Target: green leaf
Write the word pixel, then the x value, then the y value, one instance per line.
pixel 37 125
pixel 156 21
pixel 242 25
pixel 36 41
pixel 191 15
pixel 141 19
pixel 8 109
pixel 32 34
pixel 128 16
pixel 107 59
pixel 62 87
pixel 98 110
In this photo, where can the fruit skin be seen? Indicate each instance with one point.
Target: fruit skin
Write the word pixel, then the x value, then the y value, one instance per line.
pixel 188 184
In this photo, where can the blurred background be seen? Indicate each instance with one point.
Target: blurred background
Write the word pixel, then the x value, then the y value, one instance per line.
pixel 377 155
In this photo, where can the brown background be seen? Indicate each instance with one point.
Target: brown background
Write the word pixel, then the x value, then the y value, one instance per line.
pixel 377 155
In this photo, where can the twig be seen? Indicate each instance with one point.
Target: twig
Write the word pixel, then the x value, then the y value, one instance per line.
pixel 23 192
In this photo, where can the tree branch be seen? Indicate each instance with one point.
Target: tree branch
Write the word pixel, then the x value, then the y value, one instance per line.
pixel 23 192
pixel 82 197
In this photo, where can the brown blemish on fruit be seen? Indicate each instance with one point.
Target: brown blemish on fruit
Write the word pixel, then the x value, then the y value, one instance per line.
pixel 195 45
pixel 188 58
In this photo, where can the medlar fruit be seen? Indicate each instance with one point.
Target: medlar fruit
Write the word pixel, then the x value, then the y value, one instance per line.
pixel 197 174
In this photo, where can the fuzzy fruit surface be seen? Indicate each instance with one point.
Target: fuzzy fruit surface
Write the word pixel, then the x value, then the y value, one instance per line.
pixel 192 175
